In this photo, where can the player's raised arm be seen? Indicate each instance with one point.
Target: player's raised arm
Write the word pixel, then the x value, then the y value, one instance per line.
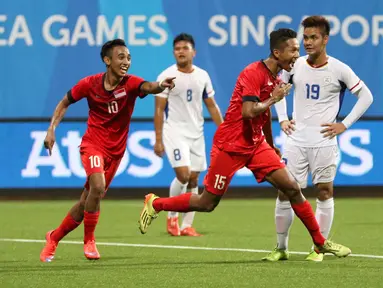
pixel 58 115
pixel 157 87
pixel 252 107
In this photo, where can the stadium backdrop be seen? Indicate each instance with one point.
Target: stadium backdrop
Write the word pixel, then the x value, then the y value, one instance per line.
pixel 46 46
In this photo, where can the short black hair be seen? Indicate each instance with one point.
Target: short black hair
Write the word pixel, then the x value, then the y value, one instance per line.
pixel 319 22
pixel 184 37
pixel 278 37
pixel 108 46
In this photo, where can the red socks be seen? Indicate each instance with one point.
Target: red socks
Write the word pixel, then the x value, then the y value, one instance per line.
pixel 305 212
pixel 177 203
pixel 66 226
pixel 90 222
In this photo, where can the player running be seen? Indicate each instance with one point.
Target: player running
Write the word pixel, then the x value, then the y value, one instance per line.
pixel 181 134
pixel 111 97
pixel 239 142
pixel 319 82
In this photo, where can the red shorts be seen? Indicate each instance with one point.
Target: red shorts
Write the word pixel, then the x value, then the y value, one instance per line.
pixel 94 161
pixel 223 166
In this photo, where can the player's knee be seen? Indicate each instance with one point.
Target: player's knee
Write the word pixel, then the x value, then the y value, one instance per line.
pixel 97 190
pixel 282 196
pixel 193 182
pixel 292 189
pixel 325 194
pixel 183 177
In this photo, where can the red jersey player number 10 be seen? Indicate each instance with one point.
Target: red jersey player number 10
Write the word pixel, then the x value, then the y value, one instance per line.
pixel 111 97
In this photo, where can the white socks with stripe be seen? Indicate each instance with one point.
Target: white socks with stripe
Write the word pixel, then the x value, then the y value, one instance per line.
pixel 284 216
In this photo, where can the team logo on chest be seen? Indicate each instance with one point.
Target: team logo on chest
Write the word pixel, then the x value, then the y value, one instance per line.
pixel 327 80
pixel 119 93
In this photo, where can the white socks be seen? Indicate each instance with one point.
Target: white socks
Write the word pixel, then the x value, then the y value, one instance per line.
pixel 325 215
pixel 189 216
pixel 284 216
pixel 176 188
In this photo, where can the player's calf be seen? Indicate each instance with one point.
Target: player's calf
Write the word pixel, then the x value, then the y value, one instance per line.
pixel 77 211
pixel 93 200
pixel 205 202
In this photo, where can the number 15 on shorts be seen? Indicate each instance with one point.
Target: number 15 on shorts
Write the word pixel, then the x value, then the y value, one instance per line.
pixel 220 182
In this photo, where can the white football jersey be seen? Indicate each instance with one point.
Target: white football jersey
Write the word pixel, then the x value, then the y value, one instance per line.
pixel 184 110
pixel 318 96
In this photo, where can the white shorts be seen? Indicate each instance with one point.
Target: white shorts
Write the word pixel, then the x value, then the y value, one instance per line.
pixel 183 151
pixel 321 162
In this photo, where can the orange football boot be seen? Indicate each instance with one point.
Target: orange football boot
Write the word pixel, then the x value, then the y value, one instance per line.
pixel 90 250
pixel 190 231
pixel 48 252
pixel 173 226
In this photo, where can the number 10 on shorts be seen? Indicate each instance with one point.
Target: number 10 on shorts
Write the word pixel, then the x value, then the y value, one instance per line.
pixel 94 161
pixel 220 182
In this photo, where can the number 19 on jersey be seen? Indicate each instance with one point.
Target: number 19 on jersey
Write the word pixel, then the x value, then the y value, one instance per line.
pixel 312 91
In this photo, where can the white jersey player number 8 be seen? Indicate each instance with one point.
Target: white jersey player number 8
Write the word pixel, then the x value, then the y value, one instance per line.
pixel 189 95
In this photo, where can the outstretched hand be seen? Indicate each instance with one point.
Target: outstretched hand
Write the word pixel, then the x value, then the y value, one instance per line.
pixel 168 83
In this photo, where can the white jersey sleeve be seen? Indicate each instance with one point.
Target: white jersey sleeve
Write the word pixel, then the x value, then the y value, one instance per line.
pixel 165 93
pixel 348 77
pixel 286 76
pixel 281 106
pixel 209 91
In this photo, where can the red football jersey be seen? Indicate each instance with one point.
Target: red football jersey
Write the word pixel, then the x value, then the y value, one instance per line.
pixel 109 111
pixel 236 134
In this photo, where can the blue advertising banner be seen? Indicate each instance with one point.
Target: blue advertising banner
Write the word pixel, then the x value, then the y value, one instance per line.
pixel 47 46
pixel 26 164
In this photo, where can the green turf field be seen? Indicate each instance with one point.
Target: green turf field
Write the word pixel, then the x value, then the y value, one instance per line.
pixel 236 224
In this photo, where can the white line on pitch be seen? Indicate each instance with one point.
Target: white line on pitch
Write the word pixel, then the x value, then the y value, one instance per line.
pixel 174 247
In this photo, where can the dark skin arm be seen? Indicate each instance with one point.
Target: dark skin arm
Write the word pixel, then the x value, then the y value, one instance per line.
pixel 58 115
pixel 252 109
pixel 157 87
